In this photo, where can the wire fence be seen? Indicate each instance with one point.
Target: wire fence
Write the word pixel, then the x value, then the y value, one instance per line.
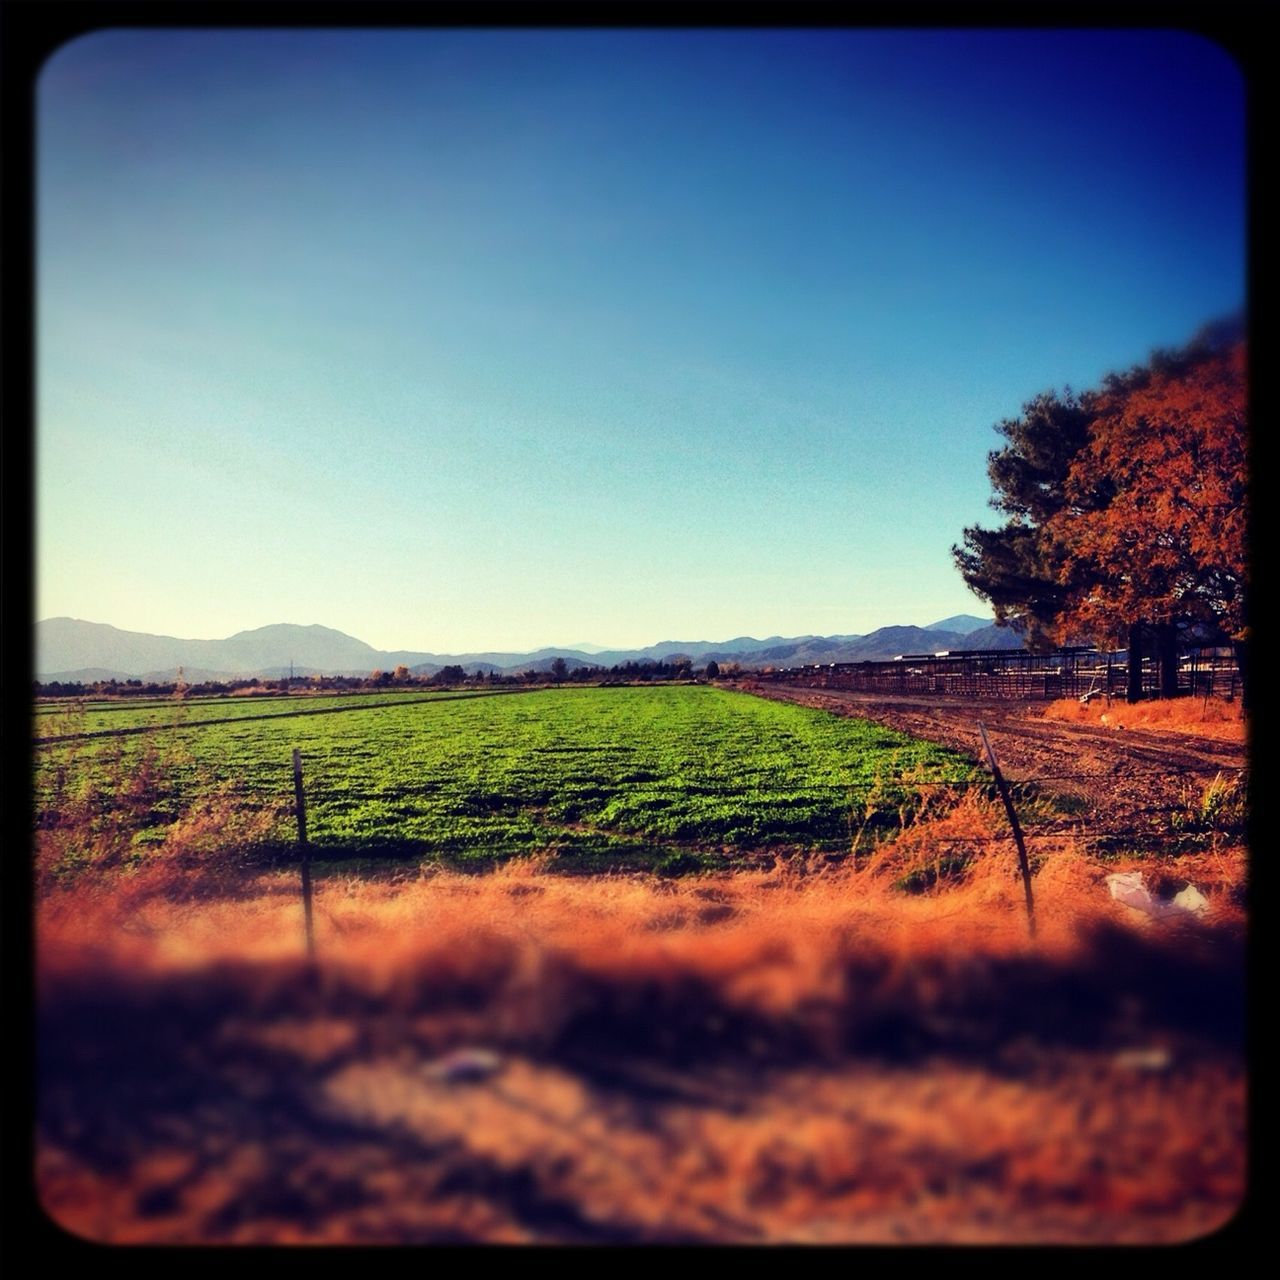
pixel 1191 823
pixel 181 722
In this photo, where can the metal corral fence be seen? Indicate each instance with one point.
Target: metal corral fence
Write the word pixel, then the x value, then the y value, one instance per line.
pixel 1017 673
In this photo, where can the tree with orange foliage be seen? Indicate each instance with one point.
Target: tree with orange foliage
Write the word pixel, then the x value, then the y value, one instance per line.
pixel 1128 509
pixel 1153 530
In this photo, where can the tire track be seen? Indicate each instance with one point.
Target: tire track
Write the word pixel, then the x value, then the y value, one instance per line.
pixel 1125 775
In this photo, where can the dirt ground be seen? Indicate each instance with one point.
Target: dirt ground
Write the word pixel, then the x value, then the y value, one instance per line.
pixel 1124 781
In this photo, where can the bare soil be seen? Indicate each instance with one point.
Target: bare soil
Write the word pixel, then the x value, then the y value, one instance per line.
pixel 1121 781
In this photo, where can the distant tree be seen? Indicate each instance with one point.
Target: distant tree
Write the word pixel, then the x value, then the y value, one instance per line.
pixel 559 669
pixel 713 670
pixel 401 674
pixel 452 674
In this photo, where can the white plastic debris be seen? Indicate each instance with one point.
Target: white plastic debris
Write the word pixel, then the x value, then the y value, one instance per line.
pixel 1192 900
pixel 1130 888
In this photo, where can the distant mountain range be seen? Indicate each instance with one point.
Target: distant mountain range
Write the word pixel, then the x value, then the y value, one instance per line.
pixel 68 649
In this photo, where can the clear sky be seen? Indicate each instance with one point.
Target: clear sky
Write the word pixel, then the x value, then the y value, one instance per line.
pixel 461 340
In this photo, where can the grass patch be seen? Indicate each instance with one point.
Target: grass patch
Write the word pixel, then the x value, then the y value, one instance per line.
pixel 618 777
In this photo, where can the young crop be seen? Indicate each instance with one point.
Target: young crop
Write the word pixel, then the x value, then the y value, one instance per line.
pixel 604 777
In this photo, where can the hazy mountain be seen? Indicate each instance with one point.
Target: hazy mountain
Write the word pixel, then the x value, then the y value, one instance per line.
pixel 87 675
pixel 69 649
pixel 877 646
pixel 695 649
pixel 994 637
pixel 887 642
pixel 507 661
pixel 964 623
pixel 68 644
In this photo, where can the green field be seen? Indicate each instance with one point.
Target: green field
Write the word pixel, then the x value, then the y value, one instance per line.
pixel 601 776
pixel 55 719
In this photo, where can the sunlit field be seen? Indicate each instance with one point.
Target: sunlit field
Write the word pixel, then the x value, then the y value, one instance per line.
pixel 605 777
pixel 836 1039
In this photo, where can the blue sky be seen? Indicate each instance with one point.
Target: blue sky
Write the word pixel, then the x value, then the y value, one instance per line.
pixel 492 339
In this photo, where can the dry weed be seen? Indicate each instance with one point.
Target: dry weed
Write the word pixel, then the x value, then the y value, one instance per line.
pixel 1199 717
pixel 805 1053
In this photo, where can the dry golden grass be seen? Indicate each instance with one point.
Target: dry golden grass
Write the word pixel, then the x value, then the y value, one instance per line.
pixel 788 961
pixel 787 917
pixel 804 1053
pixel 1199 717
pixel 775 936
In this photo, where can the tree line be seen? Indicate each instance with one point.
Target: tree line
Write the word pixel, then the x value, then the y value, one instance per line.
pixel 1127 511
pixel 401 677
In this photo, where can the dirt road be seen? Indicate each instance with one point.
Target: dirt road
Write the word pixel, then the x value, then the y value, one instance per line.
pixel 1122 781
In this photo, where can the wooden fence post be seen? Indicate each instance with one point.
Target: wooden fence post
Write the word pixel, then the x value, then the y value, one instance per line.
pixel 1133 680
pixel 301 807
pixel 1023 865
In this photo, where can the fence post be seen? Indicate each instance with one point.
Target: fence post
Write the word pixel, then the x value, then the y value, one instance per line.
pixel 1023 865
pixel 301 807
pixel 1134 677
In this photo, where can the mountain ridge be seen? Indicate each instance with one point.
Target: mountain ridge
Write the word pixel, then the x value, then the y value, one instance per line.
pixel 71 648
